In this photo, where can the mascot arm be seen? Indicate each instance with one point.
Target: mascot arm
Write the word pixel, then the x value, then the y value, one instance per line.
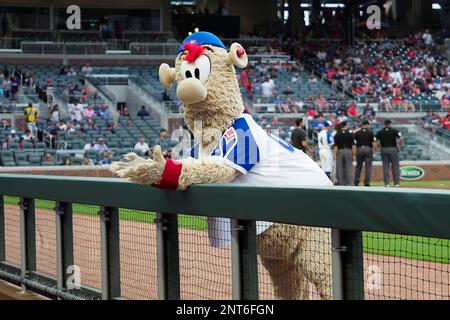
pixel 205 172
pixel 170 174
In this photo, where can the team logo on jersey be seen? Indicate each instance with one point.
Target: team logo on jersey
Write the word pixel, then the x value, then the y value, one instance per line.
pixel 229 135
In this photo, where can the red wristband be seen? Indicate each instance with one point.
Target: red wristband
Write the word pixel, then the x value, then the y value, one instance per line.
pixel 171 173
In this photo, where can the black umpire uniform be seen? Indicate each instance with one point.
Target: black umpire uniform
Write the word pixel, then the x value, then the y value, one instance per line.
pixel 344 142
pixel 365 143
pixel 387 138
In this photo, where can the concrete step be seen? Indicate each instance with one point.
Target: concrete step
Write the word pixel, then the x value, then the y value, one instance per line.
pixel 12 292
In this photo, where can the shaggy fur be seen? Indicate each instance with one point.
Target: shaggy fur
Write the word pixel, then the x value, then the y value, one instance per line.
pixel 293 255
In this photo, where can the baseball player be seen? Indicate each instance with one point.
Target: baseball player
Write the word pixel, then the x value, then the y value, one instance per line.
pixel 325 143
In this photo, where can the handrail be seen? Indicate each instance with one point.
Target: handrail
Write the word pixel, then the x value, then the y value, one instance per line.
pixel 402 211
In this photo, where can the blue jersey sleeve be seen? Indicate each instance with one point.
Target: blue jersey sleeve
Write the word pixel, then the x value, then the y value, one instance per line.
pixel 238 147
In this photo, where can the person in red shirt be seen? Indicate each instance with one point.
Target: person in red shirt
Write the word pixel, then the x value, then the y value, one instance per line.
pixel 446 122
pixel 351 111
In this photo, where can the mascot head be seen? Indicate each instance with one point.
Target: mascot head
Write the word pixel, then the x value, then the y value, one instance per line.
pixel 206 80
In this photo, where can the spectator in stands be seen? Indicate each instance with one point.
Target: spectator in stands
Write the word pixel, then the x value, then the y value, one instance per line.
pixel 130 124
pixel 268 87
pixel 62 125
pixel 368 110
pixel 63 71
pixel 446 122
pixel 54 114
pixel 28 136
pixel 87 161
pixel 31 115
pixel 163 141
pixel 104 112
pixel 5 125
pixel 427 38
pixel 89 146
pixel 280 104
pixel 427 120
pixel 256 88
pixel 86 69
pixel 89 112
pixel 125 112
pixel 101 146
pixel 385 103
pixel 76 111
pixel 104 158
pixel 48 158
pixel 6 88
pixel 142 147
pixel 351 111
pixel 143 112
pixel 6 143
pixel 72 72
pixel 288 90
pixel 66 162
pixel 14 87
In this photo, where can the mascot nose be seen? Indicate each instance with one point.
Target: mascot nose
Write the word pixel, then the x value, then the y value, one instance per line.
pixel 191 90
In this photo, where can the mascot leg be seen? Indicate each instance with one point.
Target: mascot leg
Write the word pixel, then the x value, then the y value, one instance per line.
pixel 314 259
pixel 295 256
pixel 277 248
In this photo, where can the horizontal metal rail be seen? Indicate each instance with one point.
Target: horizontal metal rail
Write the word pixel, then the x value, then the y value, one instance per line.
pixel 403 211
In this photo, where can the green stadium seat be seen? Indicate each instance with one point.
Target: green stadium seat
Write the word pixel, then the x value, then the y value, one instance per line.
pixel 76 161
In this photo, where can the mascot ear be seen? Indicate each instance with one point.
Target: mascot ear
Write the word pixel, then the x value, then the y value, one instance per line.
pixel 166 75
pixel 237 56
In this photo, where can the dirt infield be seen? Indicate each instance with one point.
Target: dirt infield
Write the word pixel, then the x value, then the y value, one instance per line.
pixel 205 272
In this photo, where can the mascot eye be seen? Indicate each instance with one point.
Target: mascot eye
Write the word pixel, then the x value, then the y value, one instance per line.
pixel 202 68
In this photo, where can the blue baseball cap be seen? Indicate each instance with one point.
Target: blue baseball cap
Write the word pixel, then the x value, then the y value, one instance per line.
pixel 201 38
pixel 327 123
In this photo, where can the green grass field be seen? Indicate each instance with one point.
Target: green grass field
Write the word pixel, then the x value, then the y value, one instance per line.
pixel 413 247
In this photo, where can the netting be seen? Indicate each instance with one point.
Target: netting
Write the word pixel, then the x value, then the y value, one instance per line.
pixel 138 273
pixel 12 230
pixel 294 262
pixel 405 267
pixel 205 271
pixel 86 244
pixel 45 237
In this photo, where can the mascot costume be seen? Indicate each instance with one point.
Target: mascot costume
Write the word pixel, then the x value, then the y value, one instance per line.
pixel 232 147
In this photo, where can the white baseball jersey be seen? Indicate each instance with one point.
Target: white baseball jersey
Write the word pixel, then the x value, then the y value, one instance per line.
pixel 325 140
pixel 262 159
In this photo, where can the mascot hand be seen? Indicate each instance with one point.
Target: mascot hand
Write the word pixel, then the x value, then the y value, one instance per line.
pixel 140 170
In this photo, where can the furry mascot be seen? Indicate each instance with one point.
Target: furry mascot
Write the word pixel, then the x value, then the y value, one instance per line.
pixel 232 147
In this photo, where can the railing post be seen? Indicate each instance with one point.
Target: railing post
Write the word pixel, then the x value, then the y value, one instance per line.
pixel 168 263
pixel 2 230
pixel 336 265
pixel 64 243
pixel 27 238
pixel 347 265
pixel 244 260
pixel 109 232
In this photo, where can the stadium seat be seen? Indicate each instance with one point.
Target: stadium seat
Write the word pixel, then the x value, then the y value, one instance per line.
pixel 76 161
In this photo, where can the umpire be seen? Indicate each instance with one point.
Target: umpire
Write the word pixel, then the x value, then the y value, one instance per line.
pixel 365 146
pixel 345 147
pixel 390 140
